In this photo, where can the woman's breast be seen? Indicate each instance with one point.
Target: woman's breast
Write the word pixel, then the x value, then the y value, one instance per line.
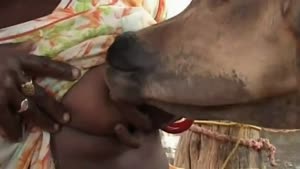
pixel 74 149
pixel 88 141
pixel 90 105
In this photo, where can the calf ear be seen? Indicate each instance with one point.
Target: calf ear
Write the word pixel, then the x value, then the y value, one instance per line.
pixel 291 11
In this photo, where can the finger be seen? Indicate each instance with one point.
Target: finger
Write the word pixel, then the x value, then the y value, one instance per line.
pixel 11 124
pixel 15 97
pixel 16 49
pixel 45 67
pixel 49 105
pixel 8 121
pixel 33 114
pixel 38 118
pixel 126 137
pixel 12 85
pixel 43 101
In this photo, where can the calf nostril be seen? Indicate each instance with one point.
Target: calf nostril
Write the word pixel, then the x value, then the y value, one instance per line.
pixel 121 53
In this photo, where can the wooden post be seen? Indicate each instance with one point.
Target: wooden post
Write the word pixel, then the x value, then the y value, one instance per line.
pixel 197 151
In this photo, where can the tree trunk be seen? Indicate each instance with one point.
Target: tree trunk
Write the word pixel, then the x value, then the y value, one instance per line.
pixel 198 151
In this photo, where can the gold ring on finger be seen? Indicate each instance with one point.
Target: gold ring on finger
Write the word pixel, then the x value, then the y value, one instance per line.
pixel 24 106
pixel 28 88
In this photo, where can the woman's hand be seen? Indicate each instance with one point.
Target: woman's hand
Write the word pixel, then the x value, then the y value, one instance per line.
pixel 17 68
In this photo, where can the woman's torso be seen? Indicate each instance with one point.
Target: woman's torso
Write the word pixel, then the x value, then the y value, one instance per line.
pixel 96 151
pixel 80 144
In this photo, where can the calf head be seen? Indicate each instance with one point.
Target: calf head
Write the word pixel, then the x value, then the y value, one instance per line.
pixel 218 60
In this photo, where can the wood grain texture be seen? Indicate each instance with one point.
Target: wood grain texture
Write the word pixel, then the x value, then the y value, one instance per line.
pixel 196 151
pixel 200 152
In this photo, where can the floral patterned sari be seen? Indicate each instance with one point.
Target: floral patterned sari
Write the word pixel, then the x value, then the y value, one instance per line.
pixel 78 32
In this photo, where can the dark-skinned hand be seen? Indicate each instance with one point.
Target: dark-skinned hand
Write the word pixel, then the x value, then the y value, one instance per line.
pixel 17 67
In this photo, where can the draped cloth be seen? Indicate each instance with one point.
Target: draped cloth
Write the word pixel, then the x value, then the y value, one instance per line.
pixel 78 32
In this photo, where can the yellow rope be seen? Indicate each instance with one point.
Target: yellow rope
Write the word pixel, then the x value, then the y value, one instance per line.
pixel 245 126
pixel 234 149
pixel 227 124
